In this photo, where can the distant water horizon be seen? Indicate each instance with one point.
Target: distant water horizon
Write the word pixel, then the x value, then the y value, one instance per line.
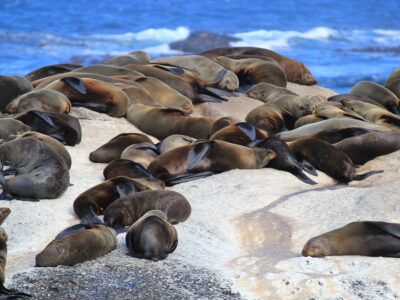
pixel 341 42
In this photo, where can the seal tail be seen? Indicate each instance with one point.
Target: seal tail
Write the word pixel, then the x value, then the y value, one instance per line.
pixel 12 294
pixel 367 174
pixel 303 177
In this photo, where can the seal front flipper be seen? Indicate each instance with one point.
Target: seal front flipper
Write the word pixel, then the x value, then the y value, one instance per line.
pixel 98 107
pixel 197 153
pixel 43 116
pixel 12 294
pixel 303 177
pixel 367 174
pixel 76 83
pixel 389 228
pixel 175 179
pixel 72 229
pixel 308 167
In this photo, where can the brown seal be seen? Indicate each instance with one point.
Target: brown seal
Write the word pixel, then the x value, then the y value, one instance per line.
pixel 95 200
pixel 206 158
pixel 327 158
pixel 162 123
pixel 338 98
pixel 267 92
pixel 114 147
pixel 127 210
pixel 242 133
pixel 143 153
pixel 295 71
pixel 41 173
pixel 125 167
pixel 89 243
pixel 12 87
pixel 368 238
pixel 50 70
pixel 151 236
pixel 42 100
pixel 10 127
pixel 174 141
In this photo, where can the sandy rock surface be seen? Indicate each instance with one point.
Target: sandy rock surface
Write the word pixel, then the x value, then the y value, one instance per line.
pixel 243 239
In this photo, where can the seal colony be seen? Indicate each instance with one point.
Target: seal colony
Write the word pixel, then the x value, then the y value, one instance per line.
pixel 275 134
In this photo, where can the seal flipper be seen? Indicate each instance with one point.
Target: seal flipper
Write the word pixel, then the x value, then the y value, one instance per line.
pixel 143 169
pixel 248 129
pixel 367 174
pixel 303 177
pixel 389 228
pixel 125 188
pixel 43 116
pixel 98 107
pixel 12 294
pixel 76 83
pixel 197 153
pixel 72 229
pixel 89 217
pixel 175 179
pixel 394 109
pixel 308 167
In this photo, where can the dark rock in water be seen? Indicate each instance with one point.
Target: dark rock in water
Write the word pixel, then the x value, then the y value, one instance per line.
pixel 202 41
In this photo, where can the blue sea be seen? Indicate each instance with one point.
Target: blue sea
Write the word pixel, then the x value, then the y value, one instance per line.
pixel 342 42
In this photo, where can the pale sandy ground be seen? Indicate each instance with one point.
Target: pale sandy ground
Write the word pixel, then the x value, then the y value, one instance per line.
pixel 247 228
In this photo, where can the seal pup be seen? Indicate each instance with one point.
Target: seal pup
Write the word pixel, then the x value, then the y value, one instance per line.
pixel 41 173
pixel 90 242
pixel 295 71
pixel 242 133
pixel 12 87
pixel 338 98
pixel 143 153
pixel 114 147
pixel 152 237
pixel 95 200
pixel 125 167
pixel 127 210
pixel 50 70
pixel 368 238
pixel 327 158
pixel 266 92
pixel 205 158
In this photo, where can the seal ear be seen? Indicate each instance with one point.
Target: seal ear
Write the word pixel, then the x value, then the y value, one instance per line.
pixel 390 228
pixel 76 83
pixel 248 129
pixel 43 116
pixel 197 153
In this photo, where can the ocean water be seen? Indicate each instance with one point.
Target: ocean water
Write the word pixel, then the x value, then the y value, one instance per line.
pixel 341 42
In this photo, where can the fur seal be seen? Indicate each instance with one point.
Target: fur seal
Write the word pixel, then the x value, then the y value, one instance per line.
pixel 340 97
pixel 135 57
pixel 379 93
pixel 125 167
pixel 242 133
pixel 368 238
pixel 205 68
pixel 41 173
pixel 91 242
pixel 174 141
pixel 41 100
pixel 62 127
pixel 330 110
pixel 114 147
pixel 266 92
pixel 284 159
pixel 95 200
pixel 365 147
pixel 327 158
pixel 393 82
pixel 151 236
pixel 206 158
pixel 12 87
pixel 330 124
pixel 308 119
pixel 50 70
pixel 143 153
pixel 295 71
pixel 10 127
pixel 162 123
pixel 335 135
pixel 127 210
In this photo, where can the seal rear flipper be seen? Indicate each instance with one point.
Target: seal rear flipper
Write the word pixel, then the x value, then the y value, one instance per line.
pixel 72 229
pixel 308 167
pixel 12 294
pixel 389 228
pixel 175 179
pixel 303 177
pixel 197 153
pixel 367 174
pixel 98 107
pixel 76 83
pixel 43 116
pixel 248 129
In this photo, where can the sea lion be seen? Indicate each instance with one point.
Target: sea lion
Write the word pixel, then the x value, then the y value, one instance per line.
pixel 151 236
pixel 373 113
pixel 365 147
pixel 378 93
pixel 223 122
pixel 95 200
pixel 10 127
pixel 331 110
pixel 41 173
pixel 41 100
pixel 308 119
pixel 266 92
pixel 62 127
pixel 127 210
pixel 135 57
pixel 335 135
pixel 4 212
pixel 205 68
pixel 143 153
pixel 50 70
pixel 338 98
pixel 267 118
pixel 114 147
pixel 89 243
pixel 368 238
pixel 295 71
pixel 327 158
pixel 93 94
pixel 125 167
pixel 12 87
pixel 330 124
pixel 254 70
pixel 242 133
pixel 206 158
pixel 108 70
pixel 53 143
pixel 174 141
pixel 393 82
pixel 162 123
pixel 284 159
